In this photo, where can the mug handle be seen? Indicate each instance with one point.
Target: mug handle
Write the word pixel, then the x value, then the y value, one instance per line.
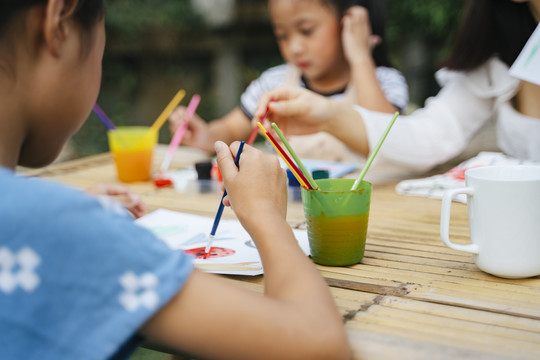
pixel 445 220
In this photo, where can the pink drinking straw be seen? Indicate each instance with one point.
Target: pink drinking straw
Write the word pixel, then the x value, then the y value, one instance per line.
pixel 179 133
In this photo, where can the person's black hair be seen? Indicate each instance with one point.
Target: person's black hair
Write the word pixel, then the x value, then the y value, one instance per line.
pixel 377 19
pixel 490 28
pixel 87 13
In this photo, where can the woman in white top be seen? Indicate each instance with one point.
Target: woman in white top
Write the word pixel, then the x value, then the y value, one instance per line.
pixel 477 88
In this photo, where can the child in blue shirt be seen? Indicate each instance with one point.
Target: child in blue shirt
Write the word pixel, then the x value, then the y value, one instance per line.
pixel 81 281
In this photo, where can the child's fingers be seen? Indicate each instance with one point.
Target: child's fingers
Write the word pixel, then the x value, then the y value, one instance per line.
pixel 262 105
pixel 225 160
pixel 177 118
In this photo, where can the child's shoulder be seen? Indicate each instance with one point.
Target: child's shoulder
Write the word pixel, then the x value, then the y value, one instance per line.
pixel 34 194
pixel 37 207
pixel 69 252
pixel 278 70
pixel 275 76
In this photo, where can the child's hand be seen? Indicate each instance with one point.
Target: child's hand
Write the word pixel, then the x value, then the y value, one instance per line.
pixel 131 201
pixel 257 188
pixel 196 133
pixel 358 41
pixel 297 111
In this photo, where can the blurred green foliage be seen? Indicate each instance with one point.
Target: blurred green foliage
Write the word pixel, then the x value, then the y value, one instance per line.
pixel 432 21
pixel 156 47
pixel 130 18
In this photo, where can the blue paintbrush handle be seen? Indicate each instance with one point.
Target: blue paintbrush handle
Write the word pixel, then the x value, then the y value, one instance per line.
pixel 221 206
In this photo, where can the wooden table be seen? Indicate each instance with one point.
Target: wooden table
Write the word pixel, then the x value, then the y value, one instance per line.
pixel 410 298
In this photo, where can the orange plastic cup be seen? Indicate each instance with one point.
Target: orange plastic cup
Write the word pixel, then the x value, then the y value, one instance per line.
pixel 133 150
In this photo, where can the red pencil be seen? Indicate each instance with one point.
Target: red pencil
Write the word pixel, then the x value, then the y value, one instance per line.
pixel 252 136
pixel 288 159
pixel 256 129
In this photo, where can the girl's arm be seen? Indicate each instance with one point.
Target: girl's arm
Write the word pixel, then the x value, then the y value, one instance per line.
pixel 358 43
pixel 294 318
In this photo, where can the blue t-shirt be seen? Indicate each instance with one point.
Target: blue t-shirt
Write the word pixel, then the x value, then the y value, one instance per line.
pixel 77 278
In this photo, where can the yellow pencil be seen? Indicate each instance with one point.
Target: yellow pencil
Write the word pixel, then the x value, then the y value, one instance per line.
pixel 279 151
pixel 168 110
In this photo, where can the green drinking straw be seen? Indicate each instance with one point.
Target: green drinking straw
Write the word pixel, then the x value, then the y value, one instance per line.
pixel 373 154
pixel 296 158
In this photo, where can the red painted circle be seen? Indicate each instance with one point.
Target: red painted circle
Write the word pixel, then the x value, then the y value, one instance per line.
pixel 215 252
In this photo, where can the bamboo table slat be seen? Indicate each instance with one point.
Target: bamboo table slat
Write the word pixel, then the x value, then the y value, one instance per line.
pixel 410 298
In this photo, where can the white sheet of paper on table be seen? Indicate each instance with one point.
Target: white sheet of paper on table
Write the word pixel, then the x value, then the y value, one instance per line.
pixel 186 231
pixel 527 65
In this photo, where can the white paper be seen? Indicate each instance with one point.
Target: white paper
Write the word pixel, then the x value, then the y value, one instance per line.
pixel 435 186
pixel 527 65
pixel 185 231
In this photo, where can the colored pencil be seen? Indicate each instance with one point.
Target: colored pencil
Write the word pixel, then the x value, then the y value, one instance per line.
pixel 294 169
pixel 295 157
pixel 220 208
pixel 255 130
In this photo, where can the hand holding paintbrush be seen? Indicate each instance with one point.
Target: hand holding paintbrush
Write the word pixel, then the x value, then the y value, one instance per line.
pixel 220 208
pixel 257 189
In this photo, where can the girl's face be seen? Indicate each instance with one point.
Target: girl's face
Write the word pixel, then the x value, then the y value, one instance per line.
pixel 65 91
pixel 309 36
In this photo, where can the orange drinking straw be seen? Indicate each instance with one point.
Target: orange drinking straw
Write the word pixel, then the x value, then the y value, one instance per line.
pixel 296 172
pixel 168 110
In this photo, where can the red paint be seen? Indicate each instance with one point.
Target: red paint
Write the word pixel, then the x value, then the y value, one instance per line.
pixel 458 172
pixel 215 252
pixel 163 182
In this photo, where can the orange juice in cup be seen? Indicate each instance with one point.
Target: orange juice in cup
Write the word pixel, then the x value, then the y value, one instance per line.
pixel 133 149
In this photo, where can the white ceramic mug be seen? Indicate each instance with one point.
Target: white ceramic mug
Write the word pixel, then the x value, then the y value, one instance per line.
pixel 504 219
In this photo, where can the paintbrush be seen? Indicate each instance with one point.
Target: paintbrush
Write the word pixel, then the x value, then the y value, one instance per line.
pixel 220 208
pixel 162 180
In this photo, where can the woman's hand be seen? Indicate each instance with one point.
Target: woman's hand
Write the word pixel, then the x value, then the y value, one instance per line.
pixel 297 111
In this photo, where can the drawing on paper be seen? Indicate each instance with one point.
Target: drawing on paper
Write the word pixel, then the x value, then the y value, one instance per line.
pixel 215 252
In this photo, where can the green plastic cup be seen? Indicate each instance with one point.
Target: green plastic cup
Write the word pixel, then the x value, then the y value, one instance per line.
pixel 337 221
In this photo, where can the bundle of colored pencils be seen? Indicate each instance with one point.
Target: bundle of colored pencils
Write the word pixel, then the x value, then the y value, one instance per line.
pixel 300 172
